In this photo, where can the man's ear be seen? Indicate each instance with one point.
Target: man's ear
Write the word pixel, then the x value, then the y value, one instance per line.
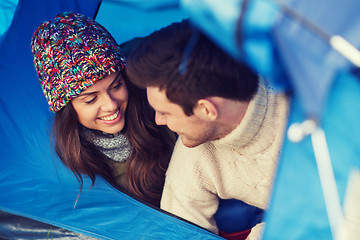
pixel 206 109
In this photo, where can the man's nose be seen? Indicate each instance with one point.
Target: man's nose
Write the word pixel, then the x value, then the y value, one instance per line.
pixel 160 119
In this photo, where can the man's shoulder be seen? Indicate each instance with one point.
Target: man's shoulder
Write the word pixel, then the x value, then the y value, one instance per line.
pixel 198 153
pixel 189 158
pixel 192 165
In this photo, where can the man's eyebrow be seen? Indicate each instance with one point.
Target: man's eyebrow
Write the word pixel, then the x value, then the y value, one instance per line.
pixel 162 112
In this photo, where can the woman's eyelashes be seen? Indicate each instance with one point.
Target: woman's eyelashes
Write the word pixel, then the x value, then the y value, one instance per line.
pixel 116 85
pixel 91 100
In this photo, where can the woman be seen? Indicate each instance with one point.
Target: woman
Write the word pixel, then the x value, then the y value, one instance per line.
pixel 103 124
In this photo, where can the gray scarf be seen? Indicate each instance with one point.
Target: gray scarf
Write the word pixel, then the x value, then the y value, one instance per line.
pixel 115 146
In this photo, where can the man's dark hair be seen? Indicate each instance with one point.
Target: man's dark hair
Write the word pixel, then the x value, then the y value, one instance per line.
pixel 209 71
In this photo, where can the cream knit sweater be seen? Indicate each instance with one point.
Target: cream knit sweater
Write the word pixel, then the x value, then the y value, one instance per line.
pixel 239 166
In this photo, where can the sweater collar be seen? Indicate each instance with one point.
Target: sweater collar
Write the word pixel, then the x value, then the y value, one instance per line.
pixel 250 124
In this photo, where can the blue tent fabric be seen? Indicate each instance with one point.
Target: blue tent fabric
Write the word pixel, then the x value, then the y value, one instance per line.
pixel 313 79
pixel 137 18
pixel 35 184
pixel 7 10
pixel 18 227
pixel 237 216
pixel 33 181
pixel 298 207
pixel 267 35
pixel 287 42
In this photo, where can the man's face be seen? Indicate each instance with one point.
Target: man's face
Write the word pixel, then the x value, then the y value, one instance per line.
pixel 193 130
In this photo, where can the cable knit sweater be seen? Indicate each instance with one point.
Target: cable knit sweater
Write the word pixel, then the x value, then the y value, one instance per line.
pixel 239 166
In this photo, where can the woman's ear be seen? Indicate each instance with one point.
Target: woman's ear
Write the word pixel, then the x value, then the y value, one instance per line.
pixel 206 109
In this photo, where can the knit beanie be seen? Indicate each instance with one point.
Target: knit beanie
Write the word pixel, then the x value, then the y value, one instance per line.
pixel 71 54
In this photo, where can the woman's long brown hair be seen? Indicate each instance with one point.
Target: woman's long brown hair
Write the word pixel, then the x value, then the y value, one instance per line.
pixel 152 147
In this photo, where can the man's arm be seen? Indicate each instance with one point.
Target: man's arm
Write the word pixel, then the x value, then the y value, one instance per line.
pixel 185 192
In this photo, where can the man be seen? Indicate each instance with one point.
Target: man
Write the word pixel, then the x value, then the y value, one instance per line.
pixel 230 123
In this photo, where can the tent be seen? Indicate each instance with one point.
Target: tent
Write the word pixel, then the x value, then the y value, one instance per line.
pixel 289 42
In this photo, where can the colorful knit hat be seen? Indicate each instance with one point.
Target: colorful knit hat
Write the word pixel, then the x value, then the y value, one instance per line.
pixel 71 54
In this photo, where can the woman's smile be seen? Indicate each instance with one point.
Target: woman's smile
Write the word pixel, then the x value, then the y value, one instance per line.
pixel 111 118
pixel 102 106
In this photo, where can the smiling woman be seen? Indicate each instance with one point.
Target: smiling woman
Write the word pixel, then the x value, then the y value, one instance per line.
pixel 102 106
pixel 103 124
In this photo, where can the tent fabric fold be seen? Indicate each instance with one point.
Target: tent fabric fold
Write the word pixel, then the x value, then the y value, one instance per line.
pixel 267 35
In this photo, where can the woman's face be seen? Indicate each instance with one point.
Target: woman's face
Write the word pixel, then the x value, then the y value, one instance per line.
pixel 102 106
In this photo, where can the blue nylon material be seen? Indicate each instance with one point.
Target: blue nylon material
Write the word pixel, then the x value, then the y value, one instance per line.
pixel 294 57
pixel 33 181
pixel 297 207
pixel 137 18
pixel 7 10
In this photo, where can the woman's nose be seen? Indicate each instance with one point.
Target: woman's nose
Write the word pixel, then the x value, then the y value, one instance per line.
pixel 109 103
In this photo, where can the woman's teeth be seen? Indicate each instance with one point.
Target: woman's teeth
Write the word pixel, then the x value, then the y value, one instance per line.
pixel 111 117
